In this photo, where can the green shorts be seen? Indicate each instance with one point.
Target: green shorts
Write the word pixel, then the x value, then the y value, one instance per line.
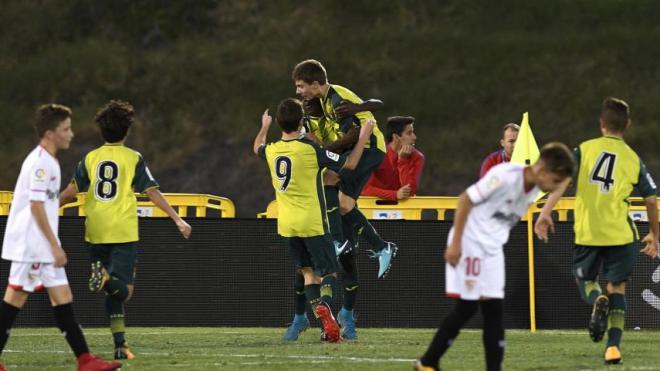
pixel 317 252
pixel 118 258
pixel 617 262
pixel 352 181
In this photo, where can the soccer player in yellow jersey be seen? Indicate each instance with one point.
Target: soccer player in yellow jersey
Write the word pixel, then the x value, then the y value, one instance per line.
pixel 326 133
pixel 110 175
pixel 608 170
pixel 296 165
pixel 311 82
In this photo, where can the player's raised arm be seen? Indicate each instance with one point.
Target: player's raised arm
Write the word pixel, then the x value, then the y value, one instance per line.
pixel 346 141
pixel 157 198
pixel 453 252
pixel 356 154
pixel 260 140
pixel 347 108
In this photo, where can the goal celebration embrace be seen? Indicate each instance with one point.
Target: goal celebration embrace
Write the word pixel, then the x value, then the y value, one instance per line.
pixel 424 186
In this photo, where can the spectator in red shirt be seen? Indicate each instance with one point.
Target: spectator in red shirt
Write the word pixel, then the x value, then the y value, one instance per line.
pixel 509 136
pixel 400 172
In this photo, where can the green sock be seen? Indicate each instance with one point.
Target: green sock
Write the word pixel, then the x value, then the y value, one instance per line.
pixel 616 319
pixel 327 289
pixel 359 222
pixel 332 209
pixel 115 310
pixel 589 291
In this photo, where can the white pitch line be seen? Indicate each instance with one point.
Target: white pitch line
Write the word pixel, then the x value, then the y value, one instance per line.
pixel 328 358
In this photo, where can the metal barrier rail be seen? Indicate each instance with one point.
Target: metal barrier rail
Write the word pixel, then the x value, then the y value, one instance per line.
pixel 179 201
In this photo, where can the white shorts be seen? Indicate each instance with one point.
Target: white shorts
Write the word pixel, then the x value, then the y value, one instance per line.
pixel 31 277
pixel 477 275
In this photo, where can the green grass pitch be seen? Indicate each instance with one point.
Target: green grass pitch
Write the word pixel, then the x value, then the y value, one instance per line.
pixel 378 349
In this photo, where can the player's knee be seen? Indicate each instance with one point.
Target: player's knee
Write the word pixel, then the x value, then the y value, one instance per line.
pixel 330 178
pixel 616 287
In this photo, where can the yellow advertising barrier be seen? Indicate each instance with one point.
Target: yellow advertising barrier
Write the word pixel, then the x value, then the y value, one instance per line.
pixel 413 208
pixel 5 202
pixel 179 201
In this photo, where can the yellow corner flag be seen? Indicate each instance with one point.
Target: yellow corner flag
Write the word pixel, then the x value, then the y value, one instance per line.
pixel 525 151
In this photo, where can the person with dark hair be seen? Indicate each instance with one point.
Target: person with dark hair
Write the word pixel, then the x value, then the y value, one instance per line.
pixel 326 133
pixel 605 235
pixel 311 82
pixel 296 167
pixel 508 141
pixel 475 275
pixel 110 175
pixel 31 239
pixel 401 171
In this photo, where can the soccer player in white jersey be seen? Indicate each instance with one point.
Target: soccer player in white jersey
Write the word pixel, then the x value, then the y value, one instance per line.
pixel 31 242
pixel 485 214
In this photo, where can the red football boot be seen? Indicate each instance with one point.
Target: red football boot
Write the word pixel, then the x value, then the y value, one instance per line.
pixel 330 325
pixel 88 362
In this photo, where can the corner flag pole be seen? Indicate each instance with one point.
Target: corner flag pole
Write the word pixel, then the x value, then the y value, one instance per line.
pixel 527 152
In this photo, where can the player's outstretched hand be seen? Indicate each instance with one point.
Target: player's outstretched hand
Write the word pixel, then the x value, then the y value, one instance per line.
pixel 184 228
pixel 60 257
pixel 544 224
pixel 650 246
pixel 266 119
pixel 453 254
pixel 346 108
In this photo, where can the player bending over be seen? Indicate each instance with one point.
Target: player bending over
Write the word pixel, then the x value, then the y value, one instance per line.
pixel 485 214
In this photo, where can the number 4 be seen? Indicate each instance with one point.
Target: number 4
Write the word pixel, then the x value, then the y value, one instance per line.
pixel 603 171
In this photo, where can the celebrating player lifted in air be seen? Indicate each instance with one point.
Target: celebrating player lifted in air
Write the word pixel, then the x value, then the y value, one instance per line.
pixel 326 133
pixel 31 242
pixel 312 83
pixel 485 214
pixel 110 175
pixel 296 166
pixel 608 170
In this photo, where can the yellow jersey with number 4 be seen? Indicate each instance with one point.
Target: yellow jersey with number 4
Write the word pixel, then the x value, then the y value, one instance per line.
pixel 608 170
pixel 111 174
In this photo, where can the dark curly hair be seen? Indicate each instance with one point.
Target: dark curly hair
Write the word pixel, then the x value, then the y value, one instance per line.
pixel 114 119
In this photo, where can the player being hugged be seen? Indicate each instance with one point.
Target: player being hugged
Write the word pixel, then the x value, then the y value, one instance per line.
pixel 31 242
pixel 485 214
pixel 296 167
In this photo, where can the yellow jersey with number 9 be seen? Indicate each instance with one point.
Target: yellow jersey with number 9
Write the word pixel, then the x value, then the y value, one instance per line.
pixel 296 170
pixel 608 171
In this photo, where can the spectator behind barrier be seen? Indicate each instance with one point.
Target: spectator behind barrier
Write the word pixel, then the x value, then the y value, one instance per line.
pixel 399 174
pixel 508 140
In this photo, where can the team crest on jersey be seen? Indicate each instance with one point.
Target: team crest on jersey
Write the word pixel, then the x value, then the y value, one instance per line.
pixel 333 156
pixel 494 182
pixel 40 173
